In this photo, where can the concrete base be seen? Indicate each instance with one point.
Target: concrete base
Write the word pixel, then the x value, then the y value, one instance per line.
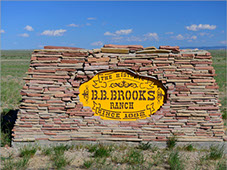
pixel 44 143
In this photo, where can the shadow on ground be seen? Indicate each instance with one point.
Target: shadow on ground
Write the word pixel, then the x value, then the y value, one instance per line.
pixel 8 119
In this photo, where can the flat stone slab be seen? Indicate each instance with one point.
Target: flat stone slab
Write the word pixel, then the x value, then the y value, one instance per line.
pixel 115 50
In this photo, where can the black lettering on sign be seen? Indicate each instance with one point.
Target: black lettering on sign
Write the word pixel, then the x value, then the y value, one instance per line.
pixel 151 95
pixel 142 95
pixel 94 95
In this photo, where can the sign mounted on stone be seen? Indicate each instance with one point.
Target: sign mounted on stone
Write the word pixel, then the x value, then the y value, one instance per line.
pixel 122 95
pixel 117 104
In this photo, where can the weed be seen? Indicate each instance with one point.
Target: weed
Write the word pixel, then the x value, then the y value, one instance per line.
pixel 88 163
pixel 60 149
pixel 216 152
pixel 221 165
pixel 78 147
pixel 189 147
pixel 21 164
pixel 224 114
pixel 116 159
pixel 5 138
pixel 134 157
pixel 28 151
pixel 175 162
pixel 102 151
pixel 202 160
pixel 58 156
pixel 171 142
pixel 144 146
pixel 60 161
pixel 9 164
pixel 158 158
pixel 92 148
pixel 47 151
pixel 123 147
pixel 147 146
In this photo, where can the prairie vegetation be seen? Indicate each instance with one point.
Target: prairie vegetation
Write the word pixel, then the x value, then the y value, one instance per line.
pixel 100 156
pixel 14 65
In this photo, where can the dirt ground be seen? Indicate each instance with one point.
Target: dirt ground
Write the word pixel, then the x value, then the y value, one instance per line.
pixel 146 159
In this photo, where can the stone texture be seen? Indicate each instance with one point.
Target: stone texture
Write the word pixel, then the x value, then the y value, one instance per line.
pixel 173 48
pixel 130 47
pixel 153 51
pixel 51 111
pixel 115 50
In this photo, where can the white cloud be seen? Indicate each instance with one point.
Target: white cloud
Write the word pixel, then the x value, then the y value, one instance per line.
pixel 153 35
pixel 195 27
pixel 24 35
pixel 98 43
pixel 88 24
pixel 223 42
pixel 91 18
pixel 193 37
pixel 41 46
pixel 2 31
pixel 180 37
pixel 169 33
pixel 28 28
pixel 117 39
pixel 123 32
pixel 185 37
pixel 118 32
pixel 73 25
pixel 203 33
pixel 134 38
pixel 109 33
pixel 59 32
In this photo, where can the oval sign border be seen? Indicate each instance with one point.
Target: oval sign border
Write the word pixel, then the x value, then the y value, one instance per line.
pixel 134 74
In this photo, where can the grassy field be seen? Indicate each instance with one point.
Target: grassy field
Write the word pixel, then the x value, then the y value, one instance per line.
pixel 14 64
pixel 219 63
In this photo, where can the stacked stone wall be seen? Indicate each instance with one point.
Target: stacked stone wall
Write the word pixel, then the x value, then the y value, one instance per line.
pixel 51 109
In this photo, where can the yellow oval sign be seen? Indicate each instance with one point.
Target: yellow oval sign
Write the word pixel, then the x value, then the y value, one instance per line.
pixel 122 95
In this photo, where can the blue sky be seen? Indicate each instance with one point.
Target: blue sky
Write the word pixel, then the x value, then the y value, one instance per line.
pixel 32 25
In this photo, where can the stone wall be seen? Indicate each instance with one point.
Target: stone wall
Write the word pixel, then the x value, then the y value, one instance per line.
pixel 51 110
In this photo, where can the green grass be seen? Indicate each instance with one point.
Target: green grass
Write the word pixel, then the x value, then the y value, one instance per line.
pixel 16 54
pixel 14 65
pixel 189 147
pixel 171 142
pixel 12 73
pixel 134 157
pixel 99 150
pixel 216 152
pixel 144 146
pixel 88 163
pixel 158 158
pixel 47 151
pixel 175 162
pixel 219 64
pixel 10 164
pixel 25 154
pixel 130 158
pixel 57 156
pixel 221 165
pixel 28 151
